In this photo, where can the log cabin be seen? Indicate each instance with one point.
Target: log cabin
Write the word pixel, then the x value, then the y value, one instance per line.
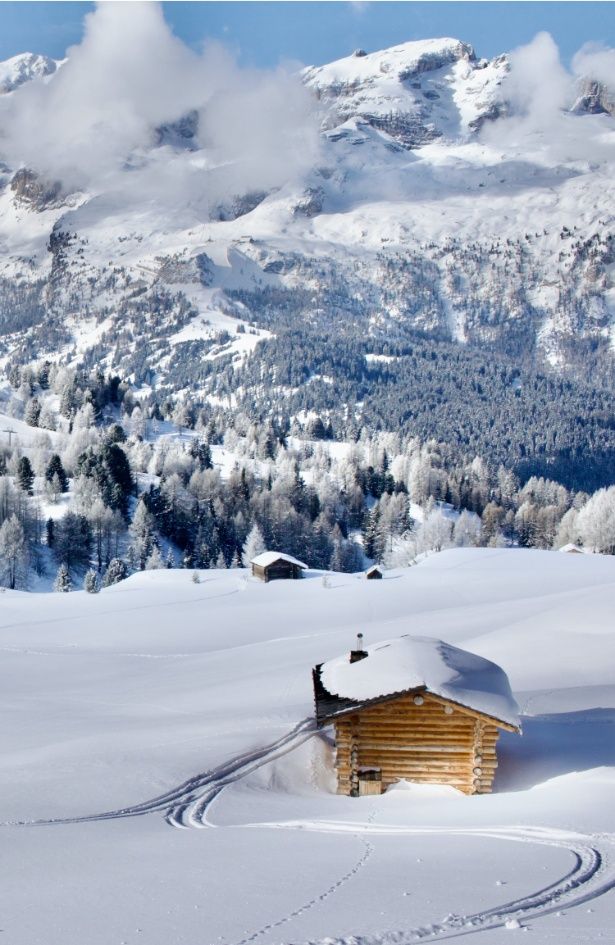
pixel 275 566
pixel 417 709
pixel 374 573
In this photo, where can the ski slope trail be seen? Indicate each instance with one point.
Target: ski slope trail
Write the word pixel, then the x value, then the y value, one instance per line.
pixel 185 805
pixel 592 875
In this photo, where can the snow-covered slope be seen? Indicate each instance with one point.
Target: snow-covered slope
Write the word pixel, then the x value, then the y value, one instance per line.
pixel 162 704
pixel 415 92
pixel 23 68
pixel 430 204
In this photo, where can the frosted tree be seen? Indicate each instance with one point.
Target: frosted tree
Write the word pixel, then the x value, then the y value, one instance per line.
pixel 103 523
pixel 567 531
pixel 53 488
pixel 62 583
pixel 596 521
pixel 32 412
pixel 142 534
pixel 47 418
pixel 467 530
pixel 435 532
pixel 136 424
pixel 91 582
pixel 84 418
pixel 115 573
pixel 13 550
pixel 254 545
pixel 154 561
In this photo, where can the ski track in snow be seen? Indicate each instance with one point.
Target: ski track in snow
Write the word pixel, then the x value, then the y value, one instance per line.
pixel 591 876
pixel 187 805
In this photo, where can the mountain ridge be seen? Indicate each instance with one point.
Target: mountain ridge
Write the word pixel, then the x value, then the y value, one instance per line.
pixel 423 220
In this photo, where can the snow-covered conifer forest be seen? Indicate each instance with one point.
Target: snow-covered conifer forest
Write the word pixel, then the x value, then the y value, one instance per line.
pixel 359 313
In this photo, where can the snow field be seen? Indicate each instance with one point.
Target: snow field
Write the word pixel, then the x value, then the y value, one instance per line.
pixel 159 698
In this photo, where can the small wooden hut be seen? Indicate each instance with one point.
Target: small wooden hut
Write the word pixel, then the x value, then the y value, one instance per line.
pixel 275 566
pixel 374 573
pixel 416 709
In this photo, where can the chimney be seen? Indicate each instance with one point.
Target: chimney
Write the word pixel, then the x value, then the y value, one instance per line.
pixel 359 653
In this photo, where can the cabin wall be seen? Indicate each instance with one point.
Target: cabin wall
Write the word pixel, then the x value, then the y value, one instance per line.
pixel 435 743
pixel 279 571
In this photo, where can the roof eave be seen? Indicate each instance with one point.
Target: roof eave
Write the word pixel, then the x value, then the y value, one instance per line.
pixel 368 703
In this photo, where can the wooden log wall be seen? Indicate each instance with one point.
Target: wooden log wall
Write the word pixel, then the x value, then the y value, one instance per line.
pixel 433 742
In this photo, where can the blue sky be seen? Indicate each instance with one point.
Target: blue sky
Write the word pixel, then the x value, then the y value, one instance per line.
pixel 265 33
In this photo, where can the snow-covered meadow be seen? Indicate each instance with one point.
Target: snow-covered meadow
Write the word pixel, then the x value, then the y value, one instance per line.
pixel 161 783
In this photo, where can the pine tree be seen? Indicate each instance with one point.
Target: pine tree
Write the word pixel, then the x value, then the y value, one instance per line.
pixel 43 375
pixel 142 533
pixel 55 468
pixel 62 583
pixel 196 578
pixel 91 583
pixel 73 540
pixel 200 451
pixel 115 573
pixel 50 528
pixel 170 559
pixel 25 475
pixel 32 412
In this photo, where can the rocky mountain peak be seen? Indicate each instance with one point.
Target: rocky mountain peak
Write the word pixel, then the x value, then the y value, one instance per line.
pixel 594 98
pixel 415 92
pixel 33 190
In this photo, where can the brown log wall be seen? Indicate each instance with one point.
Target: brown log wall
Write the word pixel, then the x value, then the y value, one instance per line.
pixel 420 743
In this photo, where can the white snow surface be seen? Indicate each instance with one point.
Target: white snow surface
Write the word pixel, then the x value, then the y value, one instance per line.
pixel 23 68
pixel 269 557
pixel 161 704
pixel 413 662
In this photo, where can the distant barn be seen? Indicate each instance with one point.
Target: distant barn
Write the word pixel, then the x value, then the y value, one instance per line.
pixel 417 709
pixel 374 573
pixel 275 566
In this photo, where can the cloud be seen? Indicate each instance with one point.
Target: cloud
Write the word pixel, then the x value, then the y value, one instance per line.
pixel 595 61
pixel 539 92
pixel 129 75
pixel 537 86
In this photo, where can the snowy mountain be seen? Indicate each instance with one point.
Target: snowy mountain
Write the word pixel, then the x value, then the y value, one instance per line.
pixel 436 196
pixel 20 69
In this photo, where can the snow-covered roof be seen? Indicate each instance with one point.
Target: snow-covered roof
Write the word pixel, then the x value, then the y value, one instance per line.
pixel 269 557
pixel 410 662
pixel 374 567
pixel 570 547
